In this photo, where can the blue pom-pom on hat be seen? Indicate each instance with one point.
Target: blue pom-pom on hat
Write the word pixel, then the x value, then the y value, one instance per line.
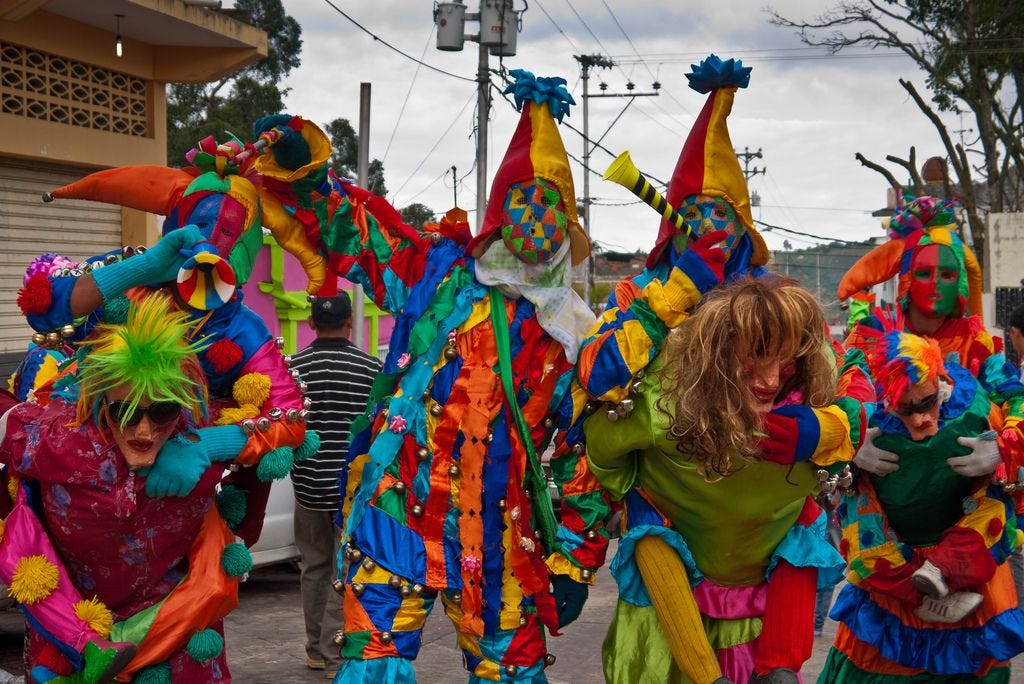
pixel 714 73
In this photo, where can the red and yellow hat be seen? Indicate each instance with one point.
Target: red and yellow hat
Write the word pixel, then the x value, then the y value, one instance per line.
pixel 707 164
pixel 535 151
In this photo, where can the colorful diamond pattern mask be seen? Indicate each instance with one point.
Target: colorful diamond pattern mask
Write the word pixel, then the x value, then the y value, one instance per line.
pixel 534 221
pixel 704 214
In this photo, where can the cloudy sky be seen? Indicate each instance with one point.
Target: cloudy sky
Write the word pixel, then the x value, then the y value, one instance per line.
pixel 809 113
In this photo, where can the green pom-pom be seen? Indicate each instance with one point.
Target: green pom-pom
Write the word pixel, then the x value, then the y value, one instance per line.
pixel 310 445
pixel 205 645
pixel 115 310
pixel 235 560
pixel 231 505
pixel 275 464
pixel 154 674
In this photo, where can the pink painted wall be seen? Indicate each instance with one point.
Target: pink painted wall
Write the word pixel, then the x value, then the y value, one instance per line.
pixel 295 280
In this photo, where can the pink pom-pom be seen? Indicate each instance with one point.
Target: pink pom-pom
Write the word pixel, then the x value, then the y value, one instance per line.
pixel 471 564
pixel 397 424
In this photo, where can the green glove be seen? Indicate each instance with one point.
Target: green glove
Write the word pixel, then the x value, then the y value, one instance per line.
pixel 569 596
pixel 158 264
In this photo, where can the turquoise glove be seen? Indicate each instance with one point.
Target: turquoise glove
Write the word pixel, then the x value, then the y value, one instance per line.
pixel 569 596
pixel 158 264
pixel 182 461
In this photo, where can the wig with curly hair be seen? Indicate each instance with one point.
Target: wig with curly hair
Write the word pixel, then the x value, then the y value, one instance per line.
pixel 151 353
pixel 708 398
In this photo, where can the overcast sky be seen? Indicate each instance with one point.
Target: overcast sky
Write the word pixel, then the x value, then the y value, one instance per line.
pixel 809 113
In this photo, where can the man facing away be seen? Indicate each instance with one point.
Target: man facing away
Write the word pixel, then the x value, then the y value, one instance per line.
pixel 339 377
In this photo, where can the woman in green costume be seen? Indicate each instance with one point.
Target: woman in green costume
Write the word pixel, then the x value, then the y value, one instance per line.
pixel 722 548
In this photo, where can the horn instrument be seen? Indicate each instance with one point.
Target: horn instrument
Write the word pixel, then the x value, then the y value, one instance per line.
pixel 624 172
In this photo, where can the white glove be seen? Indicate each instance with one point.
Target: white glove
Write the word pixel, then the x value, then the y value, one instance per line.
pixel 983 458
pixel 874 460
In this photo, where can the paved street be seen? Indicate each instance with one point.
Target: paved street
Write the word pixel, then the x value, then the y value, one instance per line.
pixel 265 639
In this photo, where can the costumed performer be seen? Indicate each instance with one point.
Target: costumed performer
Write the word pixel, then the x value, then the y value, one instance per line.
pixel 716 242
pixel 213 207
pixel 930 595
pixel 719 542
pixel 159 573
pixel 447 495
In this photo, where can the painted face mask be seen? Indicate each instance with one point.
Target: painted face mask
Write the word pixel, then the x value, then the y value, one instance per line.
pixel 704 214
pixel 534 223
pixel 935 280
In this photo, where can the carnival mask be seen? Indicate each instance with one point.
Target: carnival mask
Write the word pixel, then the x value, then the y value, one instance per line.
pixel 703 214
pixel 534 221
pixel 934 281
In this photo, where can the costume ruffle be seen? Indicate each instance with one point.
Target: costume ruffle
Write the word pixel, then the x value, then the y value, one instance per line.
pixel 939 651
pixel 387 669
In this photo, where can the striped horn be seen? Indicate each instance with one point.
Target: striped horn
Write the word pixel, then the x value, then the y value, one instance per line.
pixel 624 172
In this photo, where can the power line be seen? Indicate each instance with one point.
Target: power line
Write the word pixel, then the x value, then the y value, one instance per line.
pixel 770 226
pixel 392 47
pixel 575 50
pixel 592 34
pixel 431 151
pixel 407 94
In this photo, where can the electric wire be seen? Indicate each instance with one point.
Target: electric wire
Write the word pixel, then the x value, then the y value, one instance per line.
pixel 575 50
pixel 436 144
pixel 392 47
pixel 408 93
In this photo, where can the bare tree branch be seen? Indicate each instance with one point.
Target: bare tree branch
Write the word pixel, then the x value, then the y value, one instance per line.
pixel 882 170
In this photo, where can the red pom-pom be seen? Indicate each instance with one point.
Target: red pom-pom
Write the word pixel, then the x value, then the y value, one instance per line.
pixel 844 548
pixel 51 658
pixel 36 296
pixel 224 355
pixel 995 527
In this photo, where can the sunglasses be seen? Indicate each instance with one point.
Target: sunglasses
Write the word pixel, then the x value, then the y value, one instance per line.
pixel 920 406
pixel 160 412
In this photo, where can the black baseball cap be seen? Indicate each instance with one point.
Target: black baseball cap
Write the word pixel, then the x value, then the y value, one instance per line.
pixel 332 312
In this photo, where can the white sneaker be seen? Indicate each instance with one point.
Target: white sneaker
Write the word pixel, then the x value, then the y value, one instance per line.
pixel 929 581
pixel 950 609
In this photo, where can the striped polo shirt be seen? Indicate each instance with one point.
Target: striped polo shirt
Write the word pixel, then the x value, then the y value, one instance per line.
pixel 339 377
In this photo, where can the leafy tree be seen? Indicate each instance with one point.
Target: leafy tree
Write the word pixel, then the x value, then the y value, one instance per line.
pixel 970 53
pixel 345 156
pixel 196 110
pixel 417 214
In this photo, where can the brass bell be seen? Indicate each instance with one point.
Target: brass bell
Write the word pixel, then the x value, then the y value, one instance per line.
pixel 591 535
pixel 591 406
pixel 578 448
pixel 140 249
pixel 339 638
pixel 435 238
pixel 303 386
pixel 248 426
pixel 399 487
pixel 511 670
pixel 39 339
pixel 128 251
pixel 52 338
pixel 292 415
pixel 502 504
pixel 640 374
pixel 67 331
pixel 110 259
pixel 385 638
pixel 417 589
pixel 488 438
pixel 338 585
pixel 263 424
pixel 451 353
pixel 549 422
pixel 405 591
pixel 454 471
pixel 423 454
pixel 586 573
pixel 275 413
pixel 287 360
pixel 355 554
pixel 394 581
pixel 279 342
pixel 625 406
pixel 294 372
pixel 416 510
pixel 612 415
pixel 549 659
pixel 369 565
pixel 436 410
pixel 358 588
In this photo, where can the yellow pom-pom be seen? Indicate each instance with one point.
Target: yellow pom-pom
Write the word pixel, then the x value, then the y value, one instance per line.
pixel 2 528
pixel 13 482
pixel 95 614
pixel 251 388
pixel 34 579
pixel 230 416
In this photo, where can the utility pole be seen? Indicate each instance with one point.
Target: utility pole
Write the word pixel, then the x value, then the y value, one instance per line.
pixel 499 26
pixel 455 187
pixel 586 62
pixel 363 171
pixel 747 157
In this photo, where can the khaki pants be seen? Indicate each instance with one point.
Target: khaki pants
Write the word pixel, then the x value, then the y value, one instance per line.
pixel 317 539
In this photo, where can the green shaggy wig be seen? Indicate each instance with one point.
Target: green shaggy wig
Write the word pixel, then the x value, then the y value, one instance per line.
pixel 151 353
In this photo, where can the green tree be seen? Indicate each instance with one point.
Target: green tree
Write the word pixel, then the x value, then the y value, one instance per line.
pixel 417 214
pixel 970 53
pixel 345 156
pixel 232 104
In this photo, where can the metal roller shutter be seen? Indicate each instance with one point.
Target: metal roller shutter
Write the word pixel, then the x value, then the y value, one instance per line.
pixel 29 227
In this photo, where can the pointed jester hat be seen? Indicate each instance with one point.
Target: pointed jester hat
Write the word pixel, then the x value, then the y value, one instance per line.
pixel 707 164
pixel 920 222
pixel 535 151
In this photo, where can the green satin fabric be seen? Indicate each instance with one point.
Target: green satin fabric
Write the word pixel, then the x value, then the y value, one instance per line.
pixel 731 526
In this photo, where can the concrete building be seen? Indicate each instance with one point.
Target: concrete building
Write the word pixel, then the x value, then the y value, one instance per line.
pixel 71 105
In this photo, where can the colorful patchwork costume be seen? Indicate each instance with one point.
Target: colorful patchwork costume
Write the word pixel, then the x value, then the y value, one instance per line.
pixel 258 405
pixel 614 367
pixel 926 513
pixel 446 493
